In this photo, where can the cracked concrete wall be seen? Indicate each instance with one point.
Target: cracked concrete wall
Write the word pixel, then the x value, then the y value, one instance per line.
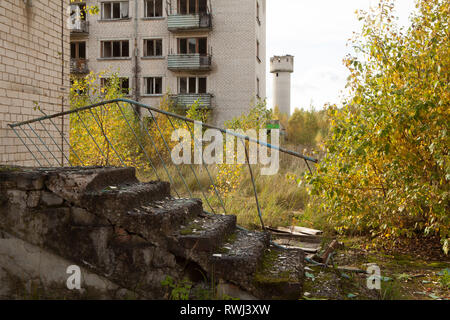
pixel 30 272
pixel 48 228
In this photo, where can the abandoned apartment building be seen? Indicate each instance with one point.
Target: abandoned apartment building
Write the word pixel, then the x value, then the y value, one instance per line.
pixel 211 51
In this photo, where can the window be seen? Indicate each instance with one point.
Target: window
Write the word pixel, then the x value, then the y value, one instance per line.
pixel 193 45
pixel 124 84
pixel 114 10
pixel 153 85
pixel 115 49
pixel 192 85
pixel 78 50
pixel 192 6
pixel 153 8
pixel 153 48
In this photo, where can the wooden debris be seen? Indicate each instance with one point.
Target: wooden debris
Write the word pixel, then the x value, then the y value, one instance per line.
pixel 333 246
pixel 288 235
pixel 305 239
pixel 308 247
pixel 300 230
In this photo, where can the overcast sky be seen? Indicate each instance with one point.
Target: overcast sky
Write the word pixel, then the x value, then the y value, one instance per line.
pixel 316 33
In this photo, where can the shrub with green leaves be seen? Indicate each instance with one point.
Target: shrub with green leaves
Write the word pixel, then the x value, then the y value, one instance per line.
pixel 387 168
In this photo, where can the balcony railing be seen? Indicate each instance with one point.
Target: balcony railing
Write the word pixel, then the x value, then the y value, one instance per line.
pixel 185 100
pixel 187 62
pixel 79 66
pixel 79 27
pixel 180 22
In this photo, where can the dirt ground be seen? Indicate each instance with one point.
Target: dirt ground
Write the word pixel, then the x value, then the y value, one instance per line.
pixel 421 274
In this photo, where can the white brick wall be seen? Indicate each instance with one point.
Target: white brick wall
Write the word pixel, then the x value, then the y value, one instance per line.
pixel 34 67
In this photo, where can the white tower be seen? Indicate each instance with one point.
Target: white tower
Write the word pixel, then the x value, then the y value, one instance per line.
pixel 282 67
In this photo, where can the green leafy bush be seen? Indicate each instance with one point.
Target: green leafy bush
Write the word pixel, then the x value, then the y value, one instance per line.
pixel 387 168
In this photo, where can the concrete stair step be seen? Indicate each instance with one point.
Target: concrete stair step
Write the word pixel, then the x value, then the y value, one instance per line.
pixel 239 256
pixel 156 218
pixel 203 233
pixel 116 199
pixel 72 183
pixel 280 275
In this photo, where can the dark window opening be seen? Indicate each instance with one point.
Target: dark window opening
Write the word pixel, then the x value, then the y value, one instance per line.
pixel 193 45
pixel 153 48
pixel 115 10
pixel 192 6
pixel 153 85
pixel 115 49
pixel 153 8
pixel 192 85
pixel 201 85
pixel 78 50
pixel 124 84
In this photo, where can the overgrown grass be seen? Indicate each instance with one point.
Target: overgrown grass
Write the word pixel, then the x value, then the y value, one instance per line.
pixel 283 202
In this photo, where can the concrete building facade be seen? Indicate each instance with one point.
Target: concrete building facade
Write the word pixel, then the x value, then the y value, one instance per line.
pixel 212 51
pixel 281 67
pixel 34 70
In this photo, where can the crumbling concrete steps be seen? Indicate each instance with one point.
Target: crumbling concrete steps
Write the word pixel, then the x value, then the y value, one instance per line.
pixel 133 233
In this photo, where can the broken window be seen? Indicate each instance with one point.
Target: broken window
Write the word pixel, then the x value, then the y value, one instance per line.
pixel 153 48
pixel 115 49
pixel 115 10
pixel 153 85
pixel 192 46
pixel 192 85
pixel 153 8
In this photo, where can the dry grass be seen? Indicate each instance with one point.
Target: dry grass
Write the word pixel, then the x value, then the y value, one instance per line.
pixel 283 202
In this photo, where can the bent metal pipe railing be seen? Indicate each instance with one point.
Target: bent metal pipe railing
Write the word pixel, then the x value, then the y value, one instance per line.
pixel 37 145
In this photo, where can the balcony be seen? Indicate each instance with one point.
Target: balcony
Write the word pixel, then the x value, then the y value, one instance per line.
pixel 189 22
pixel 79 66
pixel 189 62
pixel 185 100
pixel 80 27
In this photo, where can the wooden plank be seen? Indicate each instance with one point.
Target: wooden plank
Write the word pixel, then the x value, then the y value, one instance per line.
pixel 302 237
pixel 305 246
pixel 300 230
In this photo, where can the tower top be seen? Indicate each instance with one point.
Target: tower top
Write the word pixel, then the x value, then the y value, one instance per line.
pixel 282 64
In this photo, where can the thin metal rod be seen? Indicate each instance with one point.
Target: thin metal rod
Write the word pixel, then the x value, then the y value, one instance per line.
pixel 26 146
pixel 254 186
pixel 92 137
pixel 172 184
pixel 138 141
pixel 106 137
pixel 195 175
pixel 307 164
pixel 62 135
pixel 210 178
pixel 168 149
pixel 44 144
pixel 174 115
pixel 39 150
pixel 56 144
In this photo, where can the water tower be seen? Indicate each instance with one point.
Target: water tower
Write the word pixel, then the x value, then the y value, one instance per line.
pixel 282 67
